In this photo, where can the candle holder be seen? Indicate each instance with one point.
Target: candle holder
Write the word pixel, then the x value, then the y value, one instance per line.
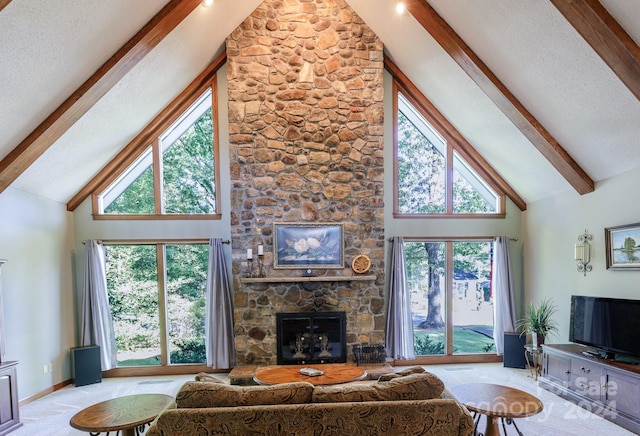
pixel 261 272
pixel 249 272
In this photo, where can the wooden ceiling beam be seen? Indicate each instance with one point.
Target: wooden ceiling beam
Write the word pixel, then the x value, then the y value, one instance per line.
pixel 4 3
pixel 500 95
pixel 90 92
pixel 606 37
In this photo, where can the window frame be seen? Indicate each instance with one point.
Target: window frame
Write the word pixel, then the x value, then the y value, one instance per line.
pixel 421 105
pixel 449 356
pixel 151 138
pixel 164 367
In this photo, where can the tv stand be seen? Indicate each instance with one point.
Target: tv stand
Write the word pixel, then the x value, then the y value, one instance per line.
pixel 608 387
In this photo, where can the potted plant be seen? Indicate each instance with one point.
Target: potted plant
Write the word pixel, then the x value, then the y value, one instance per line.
pixel 538 321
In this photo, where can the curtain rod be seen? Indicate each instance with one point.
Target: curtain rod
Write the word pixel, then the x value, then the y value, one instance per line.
pixel 155 241
pixel 459 238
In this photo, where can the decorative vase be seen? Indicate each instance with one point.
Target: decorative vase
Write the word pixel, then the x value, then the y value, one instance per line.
pixel 534 340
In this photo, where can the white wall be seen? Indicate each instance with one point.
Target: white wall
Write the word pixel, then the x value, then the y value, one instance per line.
pixel 36 239
pixel 551 228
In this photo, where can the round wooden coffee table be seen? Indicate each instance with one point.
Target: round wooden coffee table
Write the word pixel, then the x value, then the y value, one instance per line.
pixel 124 413
pixel 334 373
pixel 495 402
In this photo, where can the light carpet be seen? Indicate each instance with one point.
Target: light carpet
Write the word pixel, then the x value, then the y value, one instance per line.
pixel 50 415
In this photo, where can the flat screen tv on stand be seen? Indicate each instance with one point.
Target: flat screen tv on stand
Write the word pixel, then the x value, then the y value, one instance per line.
pixel 610 325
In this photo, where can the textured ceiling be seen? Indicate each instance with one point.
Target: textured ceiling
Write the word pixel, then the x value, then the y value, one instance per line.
pixel 47 49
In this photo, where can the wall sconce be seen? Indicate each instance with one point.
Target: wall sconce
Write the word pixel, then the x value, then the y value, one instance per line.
pixel 582 253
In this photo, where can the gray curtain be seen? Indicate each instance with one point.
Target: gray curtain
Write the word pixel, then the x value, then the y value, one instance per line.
pixel 504 312
pixel 2 334
pixel 399 329
pixel 221 353
pixel 97 323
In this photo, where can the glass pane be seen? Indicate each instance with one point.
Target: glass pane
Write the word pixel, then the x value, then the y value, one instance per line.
pixel 425 262
pixel 132 286
pixel 132 193
pixel 186 281
pixel 421 171
pixel 187 162
pixel 470 193
pixel 472 298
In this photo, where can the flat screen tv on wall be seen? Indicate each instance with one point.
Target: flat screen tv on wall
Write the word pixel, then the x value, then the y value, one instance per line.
pixel 611 325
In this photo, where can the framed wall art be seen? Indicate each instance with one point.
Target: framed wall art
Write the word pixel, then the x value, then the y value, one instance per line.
pixel 622 244
pixel 306 246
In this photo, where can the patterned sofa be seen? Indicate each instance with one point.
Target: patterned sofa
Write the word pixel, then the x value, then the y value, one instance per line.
pixel 412 402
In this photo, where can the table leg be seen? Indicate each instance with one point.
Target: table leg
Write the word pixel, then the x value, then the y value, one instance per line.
pixel 492 428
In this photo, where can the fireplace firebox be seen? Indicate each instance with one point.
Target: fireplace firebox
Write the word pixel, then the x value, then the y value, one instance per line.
pixel 311 337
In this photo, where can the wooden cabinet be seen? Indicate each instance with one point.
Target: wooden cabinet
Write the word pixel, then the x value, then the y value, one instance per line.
pixel 556 368
pixel 9 412
pixel 608 388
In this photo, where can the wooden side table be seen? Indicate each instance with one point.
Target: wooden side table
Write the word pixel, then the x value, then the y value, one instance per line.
pixel 533 356
pixel 497 403
pixel 129 414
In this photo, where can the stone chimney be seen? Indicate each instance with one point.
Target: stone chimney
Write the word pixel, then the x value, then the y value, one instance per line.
pixel 306 143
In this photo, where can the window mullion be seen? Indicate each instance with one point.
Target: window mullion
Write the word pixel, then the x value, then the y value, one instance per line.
pixel 157 177
pixel 162 304
pixel 449 298
pixel 449 179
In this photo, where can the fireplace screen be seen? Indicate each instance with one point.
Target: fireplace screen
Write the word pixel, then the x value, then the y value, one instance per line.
pixel 311 337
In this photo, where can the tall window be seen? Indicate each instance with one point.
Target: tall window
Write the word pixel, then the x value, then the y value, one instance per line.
pixel 175 175
pixel 424 159
pixel 450 280
pixel 157 299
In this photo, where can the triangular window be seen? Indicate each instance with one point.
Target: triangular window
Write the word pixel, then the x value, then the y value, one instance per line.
pixel 424 159
pixel 175 174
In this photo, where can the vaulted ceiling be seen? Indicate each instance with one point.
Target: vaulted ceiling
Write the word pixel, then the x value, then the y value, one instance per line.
pixel 546 91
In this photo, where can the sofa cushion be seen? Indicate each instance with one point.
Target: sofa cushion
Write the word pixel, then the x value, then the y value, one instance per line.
pixel 404 372
pixel 419 386
pixel 204 377
pixel 344 394
pixel 204 394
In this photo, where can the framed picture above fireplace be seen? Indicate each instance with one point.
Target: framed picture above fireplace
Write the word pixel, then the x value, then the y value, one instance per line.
pixel 306 246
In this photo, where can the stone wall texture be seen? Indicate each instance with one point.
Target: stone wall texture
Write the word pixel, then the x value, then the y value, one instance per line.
pixel 306 143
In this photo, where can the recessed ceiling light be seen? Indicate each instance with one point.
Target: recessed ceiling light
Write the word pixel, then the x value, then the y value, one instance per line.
pixel 400 7
pixel 206 3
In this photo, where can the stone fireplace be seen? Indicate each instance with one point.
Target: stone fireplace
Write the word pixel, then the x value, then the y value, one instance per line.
pixel 305 92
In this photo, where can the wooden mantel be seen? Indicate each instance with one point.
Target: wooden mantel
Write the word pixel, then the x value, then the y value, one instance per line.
pixel 307 279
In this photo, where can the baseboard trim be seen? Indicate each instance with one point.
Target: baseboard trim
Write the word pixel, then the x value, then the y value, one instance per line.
pixel 47 391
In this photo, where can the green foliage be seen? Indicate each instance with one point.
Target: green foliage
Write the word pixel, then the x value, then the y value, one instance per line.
pixel 187 177
pixel 422 168
pixel 133 293
pixel 424 346
pixel 538 318
pixel 421 171
pixel 188 171
pixel 467 199
pixel 629 243
pixel 190 351
pixel 488 347
pixel 138 198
